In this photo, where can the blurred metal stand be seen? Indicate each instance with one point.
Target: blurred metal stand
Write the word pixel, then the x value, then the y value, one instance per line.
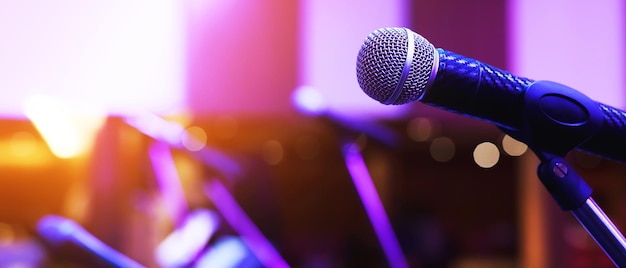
pixel 373 206
pixel 239 220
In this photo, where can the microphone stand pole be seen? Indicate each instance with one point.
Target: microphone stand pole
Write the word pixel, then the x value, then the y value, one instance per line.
pixel 573 194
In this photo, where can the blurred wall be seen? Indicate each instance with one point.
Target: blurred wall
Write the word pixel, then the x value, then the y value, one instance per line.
pixel 330 35
pixel 577 43
pixel 120 55
pixel 241 56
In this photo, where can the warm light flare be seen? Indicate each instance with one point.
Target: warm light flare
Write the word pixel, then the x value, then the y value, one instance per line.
pixel 22 144
pixel 486 155
pixel 68 129
pixel 194 139
pixel 513 147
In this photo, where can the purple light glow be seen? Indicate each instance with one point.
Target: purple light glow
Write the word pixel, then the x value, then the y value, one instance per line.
pixel 157 128
pixel 331 33
pixel 241 56
pixel 237 218
pixel 576 43
pixel 115 54
pixel 308 100
pixel 373 206
pixel 168 181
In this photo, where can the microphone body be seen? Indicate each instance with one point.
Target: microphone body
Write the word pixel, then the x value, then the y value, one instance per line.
pixel 469 87
pixel 472 88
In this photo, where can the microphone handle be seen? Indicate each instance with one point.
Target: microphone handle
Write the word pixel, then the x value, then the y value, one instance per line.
pixel 609 140
pixel 472 88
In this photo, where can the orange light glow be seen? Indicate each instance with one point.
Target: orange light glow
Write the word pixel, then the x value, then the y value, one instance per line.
pixel 69 130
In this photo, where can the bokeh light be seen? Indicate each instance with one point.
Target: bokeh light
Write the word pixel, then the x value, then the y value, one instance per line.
pixel 513 147
pixel 273 152
pixel 420 129
pixel 442 149
pixel 486 155
pixel 194 138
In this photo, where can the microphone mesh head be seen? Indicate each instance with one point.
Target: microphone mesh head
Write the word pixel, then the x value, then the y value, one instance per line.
pixel 381 60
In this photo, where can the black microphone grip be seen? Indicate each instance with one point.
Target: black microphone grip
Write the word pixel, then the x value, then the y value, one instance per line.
pixel 469 87
pixel 610 140
pixel 475 89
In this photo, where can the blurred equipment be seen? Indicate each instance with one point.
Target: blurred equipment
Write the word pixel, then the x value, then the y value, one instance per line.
pixel 308 100
pixel 193 231
pixel 175 136
pixel 77 244
pixel 249 232
pixel 373 206
pixel 183 245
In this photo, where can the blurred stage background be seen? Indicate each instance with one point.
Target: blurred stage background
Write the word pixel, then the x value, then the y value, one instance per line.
pixel 174 132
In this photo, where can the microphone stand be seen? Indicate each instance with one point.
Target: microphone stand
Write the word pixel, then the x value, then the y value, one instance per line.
pixel 573 194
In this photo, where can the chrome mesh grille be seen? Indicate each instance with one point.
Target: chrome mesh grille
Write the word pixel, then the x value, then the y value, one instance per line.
pixel 381 59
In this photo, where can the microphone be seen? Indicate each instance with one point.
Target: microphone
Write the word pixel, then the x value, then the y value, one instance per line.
pixel 397 66
pixel 63 233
